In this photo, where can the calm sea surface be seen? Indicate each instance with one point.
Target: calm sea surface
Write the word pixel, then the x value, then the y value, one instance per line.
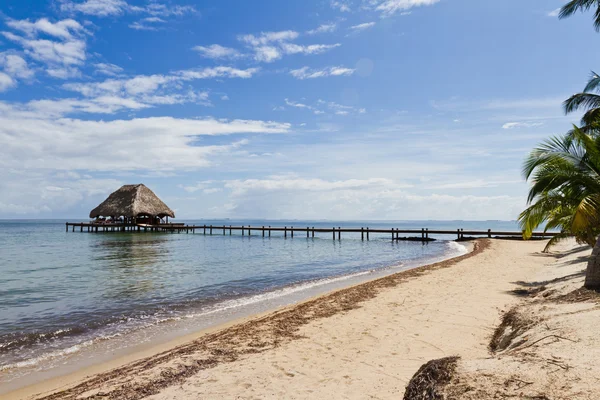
pixel 62 292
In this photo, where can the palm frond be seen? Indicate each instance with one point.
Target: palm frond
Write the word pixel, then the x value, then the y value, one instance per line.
pixel 581 100
pixel 558 238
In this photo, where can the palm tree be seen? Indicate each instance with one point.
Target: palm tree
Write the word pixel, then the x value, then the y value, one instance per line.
pixel 581 5
pixel 589 100
pixel 565 172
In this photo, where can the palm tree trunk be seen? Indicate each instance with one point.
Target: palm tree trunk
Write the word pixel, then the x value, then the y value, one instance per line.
pixel 592 273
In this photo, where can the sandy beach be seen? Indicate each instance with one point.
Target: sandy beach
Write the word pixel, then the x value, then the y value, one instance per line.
pixel 366 341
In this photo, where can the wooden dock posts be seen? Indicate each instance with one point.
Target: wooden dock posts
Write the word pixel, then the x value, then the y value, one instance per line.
pixel 422 234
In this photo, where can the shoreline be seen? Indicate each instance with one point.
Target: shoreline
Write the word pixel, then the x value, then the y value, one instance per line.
pixel 58 384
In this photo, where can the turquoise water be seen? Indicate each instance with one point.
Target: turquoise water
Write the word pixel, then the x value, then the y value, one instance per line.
pixel 60 291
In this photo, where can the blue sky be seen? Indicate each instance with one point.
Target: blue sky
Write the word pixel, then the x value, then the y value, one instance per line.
pixel 332 109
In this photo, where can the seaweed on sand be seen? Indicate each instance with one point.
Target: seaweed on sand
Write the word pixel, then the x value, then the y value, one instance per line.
pixel 430 379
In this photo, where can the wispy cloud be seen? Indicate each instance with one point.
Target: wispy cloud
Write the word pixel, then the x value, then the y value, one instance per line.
pixel 554 13
pixel 271 46
pixel 62 53
pixel 216 51
pixel 145 91
pixel 391 7
pixel 341 5
pixel 320 105
pixel 363 26
pixel 310 73
pixel 324 28
pixel 14 68
pixel 514 125
pixel 108 69
pixel 105 8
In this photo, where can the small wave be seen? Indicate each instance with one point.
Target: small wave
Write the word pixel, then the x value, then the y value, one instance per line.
pixel 456 247
pixel 275 294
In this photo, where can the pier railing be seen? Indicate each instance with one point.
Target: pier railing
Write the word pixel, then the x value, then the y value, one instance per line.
pixel 265 231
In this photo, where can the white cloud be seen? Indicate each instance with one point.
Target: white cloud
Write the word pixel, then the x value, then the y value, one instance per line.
pixel 308 73
pixel 335 108
pixel 34 193
pixel 35 140
pixel 65 51
pixel 342 5
pixel 204 185
pixel 353 199
pixel 216 51
pixel 108 69
pixel 105 8
pixel 269 37
pixel 64 29
pixel 362 27
pixel 140 26
pixel 63 72
pixel 146 90
pixel 267 54
pixel 513 125
pixel 324 28
pixel 554 13
pixel 15 66
pixel 6 82
pixel 241 187
pixel 271 46
pixel 457 104
pixel 100 8
pixel 390 7
pixel 290 48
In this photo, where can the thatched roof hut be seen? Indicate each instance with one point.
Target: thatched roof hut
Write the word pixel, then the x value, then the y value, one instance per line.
pixel 132 201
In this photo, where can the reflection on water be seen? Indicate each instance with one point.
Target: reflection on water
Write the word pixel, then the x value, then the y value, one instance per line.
pixel 131 260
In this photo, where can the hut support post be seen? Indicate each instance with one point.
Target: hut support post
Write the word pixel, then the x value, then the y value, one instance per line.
pixel 263 231
pixel 333 233
pixel 313 232
pixel 489 233
pixel 211 229
pixel 307 232
pixel 339 233
pixel 285 231
pixel 269 230
pixel 367 233
pixel 292 231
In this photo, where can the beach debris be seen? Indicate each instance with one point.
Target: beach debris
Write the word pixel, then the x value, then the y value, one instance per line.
pixel 513 324
pixel 430 379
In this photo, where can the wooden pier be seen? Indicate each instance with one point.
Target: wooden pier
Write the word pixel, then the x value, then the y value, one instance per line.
pixel 265 231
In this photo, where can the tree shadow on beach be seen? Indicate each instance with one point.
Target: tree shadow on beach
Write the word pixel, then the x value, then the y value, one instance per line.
pixel 551 281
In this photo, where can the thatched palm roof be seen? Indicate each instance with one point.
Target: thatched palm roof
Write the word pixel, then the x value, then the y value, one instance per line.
pixel 132 201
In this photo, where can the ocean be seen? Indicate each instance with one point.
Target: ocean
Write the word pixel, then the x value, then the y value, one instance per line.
pixel 71 299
